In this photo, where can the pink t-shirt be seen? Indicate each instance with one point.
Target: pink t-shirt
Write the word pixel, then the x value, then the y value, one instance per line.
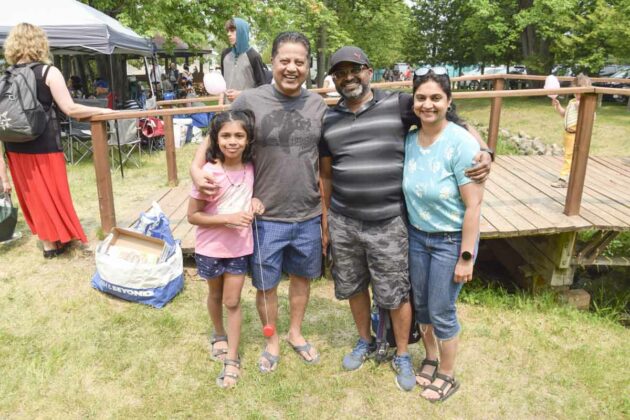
pixel 224 241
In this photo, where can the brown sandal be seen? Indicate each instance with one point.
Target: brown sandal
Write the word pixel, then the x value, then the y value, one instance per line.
pixel 430 378
pixel 441 390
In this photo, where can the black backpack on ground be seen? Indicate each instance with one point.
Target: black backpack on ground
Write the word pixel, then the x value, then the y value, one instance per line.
pixel 22 116
pixel 385 340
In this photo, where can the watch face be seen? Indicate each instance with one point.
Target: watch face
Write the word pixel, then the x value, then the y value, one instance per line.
pixel 466 256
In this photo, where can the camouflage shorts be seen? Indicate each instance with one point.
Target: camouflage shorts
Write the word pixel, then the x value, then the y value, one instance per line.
pixel 370 251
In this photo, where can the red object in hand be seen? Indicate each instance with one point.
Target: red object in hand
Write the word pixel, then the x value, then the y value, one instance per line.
pixel 269 330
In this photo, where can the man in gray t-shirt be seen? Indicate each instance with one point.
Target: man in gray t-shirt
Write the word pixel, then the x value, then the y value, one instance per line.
pixel 285 151
pixel 287 238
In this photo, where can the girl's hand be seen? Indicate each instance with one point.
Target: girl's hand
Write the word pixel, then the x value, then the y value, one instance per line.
pixel 257 206
pixel 240 219
pixel 463 271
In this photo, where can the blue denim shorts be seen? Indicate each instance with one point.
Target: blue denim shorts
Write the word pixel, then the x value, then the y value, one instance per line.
pixel 294 248
pixel 432 260
pixel 210 267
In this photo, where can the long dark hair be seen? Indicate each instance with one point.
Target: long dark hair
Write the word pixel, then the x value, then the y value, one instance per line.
pixel 445 84
pixel 245 118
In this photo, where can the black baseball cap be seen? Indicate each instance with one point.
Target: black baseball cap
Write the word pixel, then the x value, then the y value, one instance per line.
pixel 350 54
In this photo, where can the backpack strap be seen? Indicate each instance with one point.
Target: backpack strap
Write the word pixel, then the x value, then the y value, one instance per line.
pixel 224 53
pixel 258 67
pixel 45 73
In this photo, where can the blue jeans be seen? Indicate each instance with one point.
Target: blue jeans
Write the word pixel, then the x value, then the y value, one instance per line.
pixel 432 260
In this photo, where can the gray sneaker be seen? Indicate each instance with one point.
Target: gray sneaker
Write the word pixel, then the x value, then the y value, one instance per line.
pixel 354 360
pixel 405 376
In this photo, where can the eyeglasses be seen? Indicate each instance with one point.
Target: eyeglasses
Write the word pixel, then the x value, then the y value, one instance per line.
pixel 438 71
pixel 343 73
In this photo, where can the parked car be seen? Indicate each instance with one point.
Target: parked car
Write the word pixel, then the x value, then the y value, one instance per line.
pixel 518 84
pixel 469 84
pixel 610 69
pixel 622 74
pixel 518 69
pixel 562 70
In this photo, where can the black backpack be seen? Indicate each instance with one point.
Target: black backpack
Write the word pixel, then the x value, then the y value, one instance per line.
pixel 385 340
pixel 22 116
pixel 262 73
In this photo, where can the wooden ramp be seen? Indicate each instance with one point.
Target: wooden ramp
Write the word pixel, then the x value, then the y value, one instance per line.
pixel 519 200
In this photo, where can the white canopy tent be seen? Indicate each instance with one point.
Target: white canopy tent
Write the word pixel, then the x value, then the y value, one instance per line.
pixel 73 27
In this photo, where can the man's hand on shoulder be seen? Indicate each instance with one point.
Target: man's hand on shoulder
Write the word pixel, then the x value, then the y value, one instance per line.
pixel 480 172
pixel 204 182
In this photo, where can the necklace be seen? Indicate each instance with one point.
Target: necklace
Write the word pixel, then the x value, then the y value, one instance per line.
pixel 230 181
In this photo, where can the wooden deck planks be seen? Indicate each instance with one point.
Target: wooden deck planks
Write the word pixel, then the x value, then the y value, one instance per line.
pixel 595 195
pixel 617 165
pixel 535 179
pixel 610 194
pixel 518 200
pixel 594 215
pixel 543 211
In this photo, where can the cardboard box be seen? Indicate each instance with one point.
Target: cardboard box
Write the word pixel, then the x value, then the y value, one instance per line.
pixel 136 247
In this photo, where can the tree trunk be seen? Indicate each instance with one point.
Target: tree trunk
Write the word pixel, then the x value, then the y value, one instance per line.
pixel 322 45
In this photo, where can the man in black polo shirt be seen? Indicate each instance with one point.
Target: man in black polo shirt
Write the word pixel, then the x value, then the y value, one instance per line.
pixel 361 165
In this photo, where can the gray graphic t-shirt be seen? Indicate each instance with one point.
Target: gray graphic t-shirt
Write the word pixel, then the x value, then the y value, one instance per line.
pixel 286 164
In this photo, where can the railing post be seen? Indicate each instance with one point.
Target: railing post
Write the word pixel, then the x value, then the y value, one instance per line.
pixel 171 163
pixel 586 117
pixel 103 175
pixel 495 116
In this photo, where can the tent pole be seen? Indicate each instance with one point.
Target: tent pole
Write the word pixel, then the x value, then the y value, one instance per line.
pixel 111 70
pixel 146 70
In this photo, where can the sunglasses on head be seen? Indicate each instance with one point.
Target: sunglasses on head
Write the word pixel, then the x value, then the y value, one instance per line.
pixel 438 71
pixel 343 73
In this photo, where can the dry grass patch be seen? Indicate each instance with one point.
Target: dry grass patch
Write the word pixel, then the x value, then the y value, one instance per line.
pixel 536 117
pixel 69 351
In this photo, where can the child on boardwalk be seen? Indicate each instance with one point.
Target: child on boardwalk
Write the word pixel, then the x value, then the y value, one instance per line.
pixel 570 114
pixel 224 234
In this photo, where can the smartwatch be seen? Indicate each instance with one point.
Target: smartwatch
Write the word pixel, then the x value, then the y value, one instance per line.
pixel 466 256
pixel 489 151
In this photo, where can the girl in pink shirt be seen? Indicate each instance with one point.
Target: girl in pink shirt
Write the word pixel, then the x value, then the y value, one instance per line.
pixel 224 233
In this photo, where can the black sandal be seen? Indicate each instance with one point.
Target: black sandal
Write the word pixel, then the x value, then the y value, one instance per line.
pixel 224 373
pixel 441 390
pixel 430 378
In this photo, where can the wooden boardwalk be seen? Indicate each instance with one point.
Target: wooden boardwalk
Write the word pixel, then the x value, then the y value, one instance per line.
pixel 518 201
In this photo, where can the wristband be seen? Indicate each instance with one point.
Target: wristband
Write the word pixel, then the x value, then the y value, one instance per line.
pixel 489 151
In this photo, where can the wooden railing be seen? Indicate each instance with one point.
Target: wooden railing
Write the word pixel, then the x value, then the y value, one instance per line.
pixel 588 103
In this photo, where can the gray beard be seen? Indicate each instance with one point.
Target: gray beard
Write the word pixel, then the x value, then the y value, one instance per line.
pixel 355 93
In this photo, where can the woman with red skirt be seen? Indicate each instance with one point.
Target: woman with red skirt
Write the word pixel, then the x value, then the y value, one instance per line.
pixel 38 167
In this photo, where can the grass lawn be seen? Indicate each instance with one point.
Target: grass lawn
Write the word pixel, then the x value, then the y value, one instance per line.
pixel 536 117
pixel 67 351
